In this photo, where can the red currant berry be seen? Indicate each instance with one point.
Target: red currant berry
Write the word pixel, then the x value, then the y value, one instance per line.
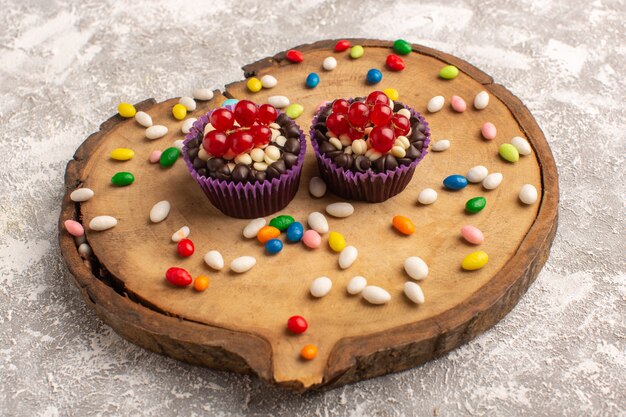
pixel 295 56
pixel 337 123
pixel 297 324
pixel 382 138
pixel 246 113
pixel 185 248
pixel 267 114
pixel 216 143
pixel 376 96
pixel 355 133
pixel 341 106
pixel 222 119
pixel 381 114
pixel 241 141
pixel 395 63
pixel 401 125
pixel 261 134
pixel 358 114
pixel 342 45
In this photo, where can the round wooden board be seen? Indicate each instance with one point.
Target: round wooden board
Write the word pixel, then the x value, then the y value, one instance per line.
pixel 238 324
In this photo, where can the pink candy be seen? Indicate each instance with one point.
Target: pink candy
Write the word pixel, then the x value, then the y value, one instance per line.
pixel 319 106
pixel 472 234
pixel 489 131
pixel 74 228
pixel 458 104
pixel 154 157
pixel 312 239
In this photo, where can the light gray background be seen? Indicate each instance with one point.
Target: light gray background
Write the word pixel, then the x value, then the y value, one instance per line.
pixel 64 66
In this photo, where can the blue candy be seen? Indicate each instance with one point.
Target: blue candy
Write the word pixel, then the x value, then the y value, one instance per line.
pixel 374 76
pixel 295 232
pixel 229 102
pixel 455 182
pixel 312 80
pixel 273 246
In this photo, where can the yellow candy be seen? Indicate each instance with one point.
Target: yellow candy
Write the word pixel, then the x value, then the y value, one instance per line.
pixel 122 154
pixel 475 261
pixel 126 110
pixel 179 111
pixel 392 93
pixel 336 241
pixel 254 84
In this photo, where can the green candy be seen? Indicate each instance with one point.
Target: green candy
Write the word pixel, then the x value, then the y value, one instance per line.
pixel 476 204
pixel 294 110
pixel 122 179
pixel 509 152
pixel 281 222
pixel 356 51
pixel 169 156
pixel 402 47
pixel 449 72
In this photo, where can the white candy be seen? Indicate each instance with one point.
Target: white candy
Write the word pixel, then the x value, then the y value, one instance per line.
pixel 187 124
pixel 178 143
pixel 340 209
pixel 203 94
pixel 347 257
pixel 188 102
pixel 528 194
pixel 522 145
pixel 416 268
pixel 242 264
pixel 180 234
pixel 143 119
pixel 253 227
pixel 427 196
pixel 278 101
pixel 317 187
pixel 477 174
pixel 435 104
pixel 156 132
pixel 320 286
pixel 100 223
pixel 267 81
pixel 492 181
pixel 481 100
pixel 375 295
pixel 159 211
pixel 214 260
pixel 84 250
pixel 440 145
pixel 80 195
pixel 329 64
pixel 356 285
pixel 414 292
pixel 318 222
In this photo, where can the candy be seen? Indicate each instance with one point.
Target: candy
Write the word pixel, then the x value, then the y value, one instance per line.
pixel 294 110
pixel 481 100
pixel 477 174
pixel 294 56
pixel 458 104
pixel 295 232
pixel 268 81
pixel 126 110
pixel 181 233
pixel 427 196
pixel 178 276
pixel 178 144
pixel 278 101
pixel 374 76
pixel 435 104
pixel 492 181
pixel 122 154
pixel 311 239
pixel 317 187
pixel 253 227
pixel 474 261
pixel 347 257
pixel 169 157
pixel 203 94
pixel 122 179
pixel 320 287
pixel 297 324
pixel 242 264
pixel 522 145
pixel 74 228
pixel 472 234
pixel 342 45
pixel 403 225
pixel 508 152
pixel 489 131
pixel 318 222
pixel 308 352
pixel 356 52
pixel 340 209
pixel 100 223
pixel 356 285
pixel 455 182
pixel 416 268
pixel 312 80
pixel 476 204
pixel 440 145
pixel 266 233
pixel 329 63
pixel 187 124
pixel 392 93
pixel 336 241
pixel 160 211
pixel 254 84
pixel 143 119
pixel 398 152
pixel 84 250
pixel 414 292
pixel 201 283
pixel 375 295
pixel 179 112
pixel 229 102
pixel 80 195
pixel 156 132
pixel 281 222
pixel 188 102
pixel 185 248
pixel 214 260
pixel 155 156
pixel 449 72
pixel 273 246
pixel 395 63
pixel 528 194
pixel 402 47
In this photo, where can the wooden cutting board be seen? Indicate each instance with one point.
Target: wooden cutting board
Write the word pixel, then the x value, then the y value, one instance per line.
pixel 239 323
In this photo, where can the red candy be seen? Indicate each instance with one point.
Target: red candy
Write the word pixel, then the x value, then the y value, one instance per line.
pixel 342 45
pixel 185 248
pixel 295 56
pixel 246 113
pixel 267 114
pixel 341 106
pixel 401 125
pixel 381 114
pixel 241 141
pixel 297 324
pixel 261 134
pixel 337 123
pixel 216 143
pixel 375 97
pixel 382 138
pixel 358 114
pixel 395 63
pixel 222 119
pixel 178 276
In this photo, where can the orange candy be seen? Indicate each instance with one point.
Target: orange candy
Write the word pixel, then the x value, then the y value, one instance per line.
pixel 403 225
pixel 266 233
pixel 308 352
pixel 201 283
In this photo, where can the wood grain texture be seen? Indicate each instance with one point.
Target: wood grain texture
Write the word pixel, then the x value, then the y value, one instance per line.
pixel 239 323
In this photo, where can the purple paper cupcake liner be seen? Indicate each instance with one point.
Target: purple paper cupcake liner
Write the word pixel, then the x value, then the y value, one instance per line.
pixel 246 200
pixel 373 187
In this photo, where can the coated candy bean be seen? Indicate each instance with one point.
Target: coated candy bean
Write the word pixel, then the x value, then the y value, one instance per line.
pixel 481 100
pixel 268 81
pixel 476 204
pixel 440 145
pixel 178 144
pixel 312 80
pixel 143 119
pixel 347 257
pixel 252 228
pixel 458 104
pixel 178 276
pixel 528 194
pixel 187 124
pixel 318 222
pixel 188 102
pixel 295 56
pixel 489 131
pixel 201 283
pixel 242 264
pixel 311 239
pixel 185 248
pixel 160 211
pixel 297 324
pixel 449 72
pixel 508 152
pixel 169 157
pixel 80 195
pixel 403 225
pixel 126 110
pixel 472 234
pixel 435 104
pixel 295 232
pixel 281 222
pixel 475 260
pixel 122 154
pixel 402 47
pixel 214 260
pixel 427 196
pixel 393 94
pixel 229 102
pixel 294 110
pixel 340 209
pixel 100 223
pixel 375 295
pixel 84 250
pixel 254 84
pixel 329 63
pixel 455 182
pixel 278 101
pixel 203 94
pixel 122 179
pixel 477 174
pixel 273 246
pixel 374 76
pixel 308 352
pixel 155 156
pixel 492 181
pixel 522 145
pixel 317 187
pixel 342 45
pixel 320 287
pixel 336 241
pixel 395 63
pixel 179 112
pixel 74 228
pixel 414 292
pixel 356 285
pixel 416 268
pixel 356 52
pixel 266 233
pixel 156 132
pixel 181 233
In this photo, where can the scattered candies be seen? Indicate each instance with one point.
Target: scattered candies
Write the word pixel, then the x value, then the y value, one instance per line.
pixel 126 110
pixel 392 93
pixel 179 112
pixel 403 225
pixel 472 234
pixel 435 104
pixel 522 145
pixel 312 80
pixel 268 81
pixel 155 156
pixel 253 227
pixel 508 152
pixel 329 63
pixel 203 94
pixel 295 56
pixel 80 195
pixel 156 132
pixel 336 241
pixel 320 287
pixel 477 174
pixel 440 145
pixel 188 102
pixel 169 157
pixel 395 63
pixel 160 211
pixel 242 264
pixel 427 196
pixel 455 182
pixel 375 295
pixel 278 101
pixel 342 45
pixel 402 47
pixel 347 257
pixel 266 233
pixel 476 204
pixel 122 179
pixel 282 222
pixel 374 76
pixel 481 100
pixel 201 283
pixel 181 233
pixel 273 246
pixel 143 119
pixel 317 187
pixel 295 231
pixel 308 352
pixel 318 222
pixel 185 248
pixel 294 110
pixel 528 194
pixel 416 268
pixel 449 72
pixel 474 261
pixel 122 154
pixel 178 276
pixel 340 210
pixel 74 228
pixel 254 84
pixel 356 285
pixel 492 181
pixel 214 260
pixel 356 52
pixel 458 104
pixel 297 324
pixel 100 223
pixel 414 292
pixel 311 239
pixel 489 131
